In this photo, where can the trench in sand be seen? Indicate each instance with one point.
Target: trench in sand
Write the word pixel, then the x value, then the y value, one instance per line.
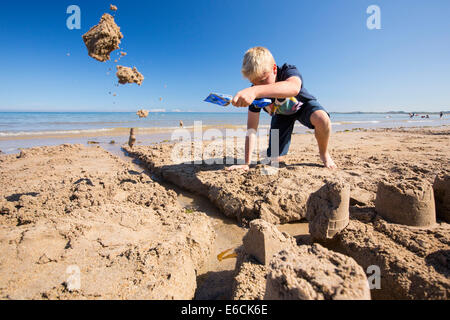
pixel 215 282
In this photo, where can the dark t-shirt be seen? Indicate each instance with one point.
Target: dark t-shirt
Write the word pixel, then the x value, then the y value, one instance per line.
pixel 284 73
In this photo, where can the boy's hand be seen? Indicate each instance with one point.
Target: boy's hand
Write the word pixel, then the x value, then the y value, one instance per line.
pixel 244 167
pixel 244 98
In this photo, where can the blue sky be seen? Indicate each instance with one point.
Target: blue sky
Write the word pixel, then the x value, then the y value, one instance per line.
pixel 186 49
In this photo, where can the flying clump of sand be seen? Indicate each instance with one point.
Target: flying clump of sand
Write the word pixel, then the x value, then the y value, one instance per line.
pixel 142 113
pixel 103 38
pixel 128 75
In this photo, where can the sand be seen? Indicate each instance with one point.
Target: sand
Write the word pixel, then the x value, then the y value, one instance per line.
pixel 128 75
pixel 128 234
pixel 103 38
pixel 142 113
pixel 132 138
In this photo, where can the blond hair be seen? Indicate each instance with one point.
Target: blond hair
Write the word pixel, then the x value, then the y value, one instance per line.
pixel 257 61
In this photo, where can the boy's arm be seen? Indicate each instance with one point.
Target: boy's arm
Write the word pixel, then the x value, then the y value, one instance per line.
pixel 281 89
pixel 250 140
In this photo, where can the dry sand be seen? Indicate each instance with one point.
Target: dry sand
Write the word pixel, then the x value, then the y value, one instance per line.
pixel 74 205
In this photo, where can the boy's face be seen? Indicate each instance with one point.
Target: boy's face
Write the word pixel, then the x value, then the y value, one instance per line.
pixel 267 78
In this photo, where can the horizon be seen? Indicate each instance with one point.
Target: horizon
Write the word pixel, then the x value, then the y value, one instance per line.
pixel 243 112
pixel 179 48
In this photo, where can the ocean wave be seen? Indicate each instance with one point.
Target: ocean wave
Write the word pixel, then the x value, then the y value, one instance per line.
pixel 110 131
pixel 360 121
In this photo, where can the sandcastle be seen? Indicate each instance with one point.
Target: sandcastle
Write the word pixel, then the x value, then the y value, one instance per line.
pixel 410 203
pixel 103 38
pixel 263 240
pixel 441 188
pixel 328 209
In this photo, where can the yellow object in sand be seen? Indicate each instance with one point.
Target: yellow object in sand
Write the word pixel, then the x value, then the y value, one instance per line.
pixel 222 256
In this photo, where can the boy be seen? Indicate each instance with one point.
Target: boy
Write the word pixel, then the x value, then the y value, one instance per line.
pixel 291 102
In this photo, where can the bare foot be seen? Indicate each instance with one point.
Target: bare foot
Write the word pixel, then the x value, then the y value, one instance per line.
pixel 244 167
pixel 327 161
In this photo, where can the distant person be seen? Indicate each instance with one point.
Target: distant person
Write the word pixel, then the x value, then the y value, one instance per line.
pixel 441 115
pixel 181 124
pixel 427 116
pixel 411 115
pixel 290 102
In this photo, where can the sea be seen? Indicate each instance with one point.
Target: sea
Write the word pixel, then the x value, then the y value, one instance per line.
pixel 110 129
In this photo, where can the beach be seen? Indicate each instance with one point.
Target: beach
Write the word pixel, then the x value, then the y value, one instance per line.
pixel 152 151
pixel 32 129
pixel 125 219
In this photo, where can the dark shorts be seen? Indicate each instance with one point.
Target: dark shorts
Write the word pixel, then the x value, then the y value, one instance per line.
pixel 285 125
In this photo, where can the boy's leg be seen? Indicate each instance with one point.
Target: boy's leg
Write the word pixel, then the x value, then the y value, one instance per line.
pixel 284 125
pixel 322 129
pixel 314 116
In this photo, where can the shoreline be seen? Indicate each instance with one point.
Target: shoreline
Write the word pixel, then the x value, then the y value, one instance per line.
pixel 150 136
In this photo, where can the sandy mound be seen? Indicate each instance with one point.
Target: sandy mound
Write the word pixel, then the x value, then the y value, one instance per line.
pixel 414 263
pixel 128 75
pixel 387 155
pixel 275 198
pixel 103 38
pixel 315 273
pixel 63 215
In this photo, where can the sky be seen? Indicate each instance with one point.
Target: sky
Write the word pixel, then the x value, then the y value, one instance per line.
pixel 187 49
